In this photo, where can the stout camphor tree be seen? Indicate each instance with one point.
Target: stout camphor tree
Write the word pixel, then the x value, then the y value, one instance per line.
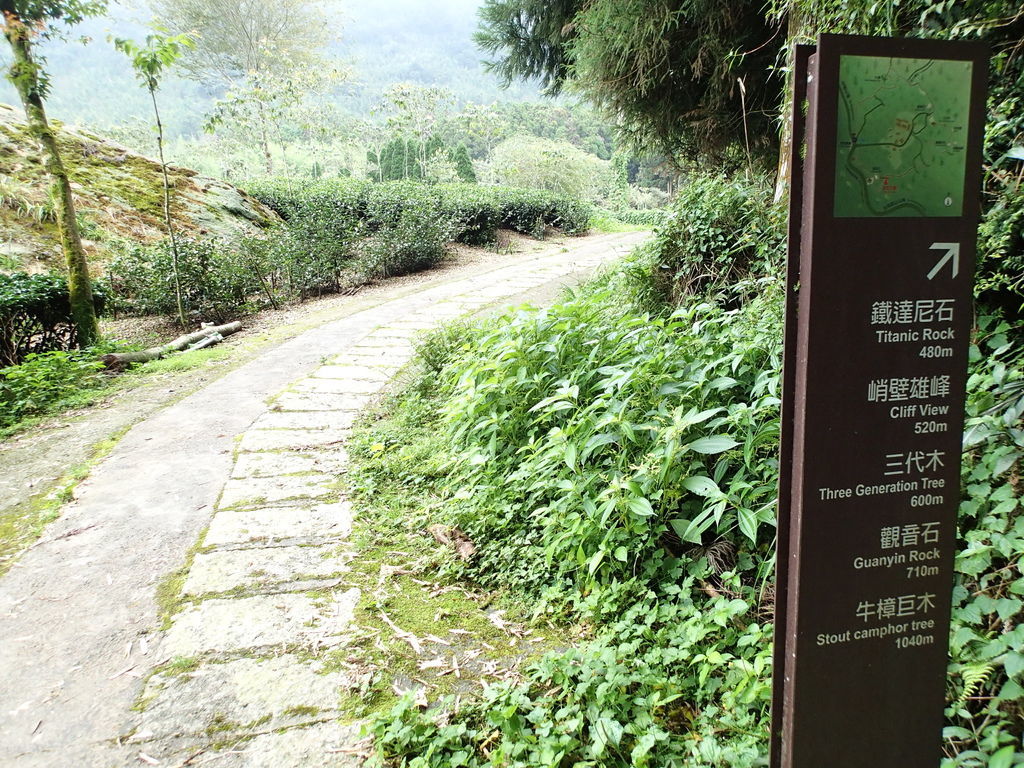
pixel 24 23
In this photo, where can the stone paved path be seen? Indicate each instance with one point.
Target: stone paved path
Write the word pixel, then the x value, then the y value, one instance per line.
pixel 265 593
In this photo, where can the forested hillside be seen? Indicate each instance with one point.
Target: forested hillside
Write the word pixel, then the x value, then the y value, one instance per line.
pixel 382 43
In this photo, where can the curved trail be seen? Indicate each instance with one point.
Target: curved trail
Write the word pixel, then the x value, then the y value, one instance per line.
pixel 78 615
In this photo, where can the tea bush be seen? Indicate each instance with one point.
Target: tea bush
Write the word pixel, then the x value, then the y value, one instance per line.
pixel 35 315
pixel 479 210
pixel 216 280
pixel 417 239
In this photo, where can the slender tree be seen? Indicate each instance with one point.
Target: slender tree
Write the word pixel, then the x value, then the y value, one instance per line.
pixel 247 47
pixel 150 60
pixel 25 22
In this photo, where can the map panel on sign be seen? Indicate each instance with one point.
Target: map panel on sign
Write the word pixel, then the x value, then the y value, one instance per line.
pixel 901 136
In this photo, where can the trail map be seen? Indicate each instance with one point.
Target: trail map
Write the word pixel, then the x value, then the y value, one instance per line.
pixel 901 136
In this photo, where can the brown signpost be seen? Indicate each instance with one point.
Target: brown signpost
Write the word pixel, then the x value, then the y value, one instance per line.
pixel 887 169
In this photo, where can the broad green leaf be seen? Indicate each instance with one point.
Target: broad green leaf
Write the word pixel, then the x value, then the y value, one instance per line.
pixel 1014 663
pixel 710 445
pixel 621 554
pixel 680 526
pixel 748 523
pixel 702 486
pixel 1003 758
pixel 640 506
pixel 570 455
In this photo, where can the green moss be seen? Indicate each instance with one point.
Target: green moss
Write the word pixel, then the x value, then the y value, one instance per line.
pixel 169 598
pixel 302 711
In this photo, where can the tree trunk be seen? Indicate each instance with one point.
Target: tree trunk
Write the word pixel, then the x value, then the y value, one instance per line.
pixel 24 73
pixel 210 335
pixel 784 170
pixel 167 208
pixel 268 160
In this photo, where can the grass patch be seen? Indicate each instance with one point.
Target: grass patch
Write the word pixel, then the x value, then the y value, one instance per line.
pixel 606 223
pixel 186 361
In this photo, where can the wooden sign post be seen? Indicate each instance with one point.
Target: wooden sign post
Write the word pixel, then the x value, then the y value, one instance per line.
pixel 884 215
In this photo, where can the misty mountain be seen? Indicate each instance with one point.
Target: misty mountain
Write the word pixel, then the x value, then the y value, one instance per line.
pixel 381 42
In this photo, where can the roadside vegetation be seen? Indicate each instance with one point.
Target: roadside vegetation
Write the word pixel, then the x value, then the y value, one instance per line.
pixel 614 460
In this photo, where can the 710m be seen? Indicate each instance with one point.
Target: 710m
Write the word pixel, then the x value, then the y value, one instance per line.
pixel 917 571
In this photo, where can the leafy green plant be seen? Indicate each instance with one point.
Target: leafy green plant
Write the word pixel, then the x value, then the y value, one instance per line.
pixel 622 470
pixel 43 381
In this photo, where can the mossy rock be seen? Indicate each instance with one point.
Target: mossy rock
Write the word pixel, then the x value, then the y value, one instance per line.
pixel 119 191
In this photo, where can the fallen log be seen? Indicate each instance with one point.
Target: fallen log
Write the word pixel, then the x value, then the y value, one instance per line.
pixel 204 337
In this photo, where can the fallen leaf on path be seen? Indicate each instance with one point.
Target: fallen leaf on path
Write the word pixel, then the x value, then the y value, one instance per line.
pixel 453 537
pixel 408 637
pixel 124 671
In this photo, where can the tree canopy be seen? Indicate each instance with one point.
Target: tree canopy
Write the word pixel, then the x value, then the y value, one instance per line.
pixel 234 38
pixel 671 74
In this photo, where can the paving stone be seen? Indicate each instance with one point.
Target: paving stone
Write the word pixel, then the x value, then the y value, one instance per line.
pixel 251 623
pixel 225 698
pixel 391 332
pixel 319 522
pixel 446 310
pixel 387 367
pixel 291 439
pixel 315 747
pixel 415 324
pixel 250 491
pixel 339 386
pixel 305 420
pixel 373 356
pixel 330 462
pixel 352 372
pixel 308 401
pixel 224 570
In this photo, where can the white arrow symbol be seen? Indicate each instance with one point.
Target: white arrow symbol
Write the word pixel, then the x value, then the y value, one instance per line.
pixel 952 252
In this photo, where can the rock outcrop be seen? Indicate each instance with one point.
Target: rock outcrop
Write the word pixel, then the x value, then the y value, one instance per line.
pixel 118 193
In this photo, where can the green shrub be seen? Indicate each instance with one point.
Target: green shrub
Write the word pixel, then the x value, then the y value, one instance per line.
pixel 415 241
pixel 652 217
pixel 985 688
pixel 626 467
pixel 216 279
pixel 1000 273
pixel 43 381
pixel 720 233
pixel 479 210
pixel 35 315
